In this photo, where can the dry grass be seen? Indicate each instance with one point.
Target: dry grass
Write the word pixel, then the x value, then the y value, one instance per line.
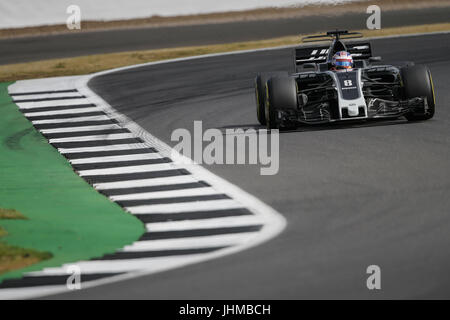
pixel 96 63
pixel 11 214
pixel 249 15
pixel 12 257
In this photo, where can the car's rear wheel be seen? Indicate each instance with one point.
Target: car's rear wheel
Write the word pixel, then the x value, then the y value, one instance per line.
pixel 281 93
pixel 260 93
pixel 417 82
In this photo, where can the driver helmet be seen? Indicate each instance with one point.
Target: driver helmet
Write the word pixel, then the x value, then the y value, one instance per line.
pixel 342 60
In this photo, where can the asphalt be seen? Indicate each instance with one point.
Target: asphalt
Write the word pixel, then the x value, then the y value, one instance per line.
pixel 28 49
pixel 353 195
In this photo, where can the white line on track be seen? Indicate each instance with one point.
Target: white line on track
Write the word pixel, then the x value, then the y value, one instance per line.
pixel 145 182
pixel 202 223
pixel 72 120
pixel 127 265
pixel 129 169
pixel 52 103
pixel 46 96
pixel 114 147
pixel 166 194
pixel 111 136
pixel 81 129
pixel 131 157
pixel 60 112
pixel 186 207
pixel 29 292
pixel 190 243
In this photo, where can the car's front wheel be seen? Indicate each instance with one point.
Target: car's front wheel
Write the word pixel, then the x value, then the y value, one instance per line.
pixel 281 93
pixel 260 93
pixel 417 82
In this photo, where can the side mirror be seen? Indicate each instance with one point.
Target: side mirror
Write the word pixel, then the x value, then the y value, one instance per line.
pixel 309 66
pixel 375 59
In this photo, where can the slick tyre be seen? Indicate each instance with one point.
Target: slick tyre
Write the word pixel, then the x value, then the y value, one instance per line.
pixel 417 82
pixel 260 93
pixel 281 93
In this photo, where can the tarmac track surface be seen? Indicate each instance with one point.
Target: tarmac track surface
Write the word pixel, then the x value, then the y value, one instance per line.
pixel 353 195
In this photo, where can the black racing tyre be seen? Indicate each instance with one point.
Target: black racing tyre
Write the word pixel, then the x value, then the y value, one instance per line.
pixel 417 82
pixel 281 93
pixel 260 93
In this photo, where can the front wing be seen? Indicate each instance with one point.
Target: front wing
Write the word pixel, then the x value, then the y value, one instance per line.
pixel 376 109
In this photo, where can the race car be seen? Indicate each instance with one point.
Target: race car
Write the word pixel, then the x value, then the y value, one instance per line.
pixel 342 82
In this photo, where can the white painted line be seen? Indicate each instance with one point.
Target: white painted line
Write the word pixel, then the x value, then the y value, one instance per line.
pixel 112 136
pixel 46 96
pixel 29 292
pixel 131 157
pixel 186 206
pixel 129 169
pixel 190 243
pixel 104 148
pixel 52 103
pixel 81 129
pixel 191 192
pixel 165 181
pixel 128 265
pixel 60 112
pixel 43 84
pixel 203 223
pixel 72 120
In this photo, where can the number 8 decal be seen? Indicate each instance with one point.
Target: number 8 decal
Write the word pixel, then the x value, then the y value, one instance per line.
pixel 348 83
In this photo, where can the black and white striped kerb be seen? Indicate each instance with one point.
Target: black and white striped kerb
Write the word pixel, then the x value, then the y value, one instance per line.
pixel 185 217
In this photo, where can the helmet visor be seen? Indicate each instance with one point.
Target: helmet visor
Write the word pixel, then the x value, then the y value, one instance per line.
pixel 343 64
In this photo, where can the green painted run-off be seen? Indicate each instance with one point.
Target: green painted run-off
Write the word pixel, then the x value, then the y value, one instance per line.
pixel 66 216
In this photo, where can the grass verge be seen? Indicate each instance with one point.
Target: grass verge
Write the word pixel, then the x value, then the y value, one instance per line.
pixel 100 62
pixel 66 217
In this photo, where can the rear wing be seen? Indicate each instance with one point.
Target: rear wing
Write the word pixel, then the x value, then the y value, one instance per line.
pixel 319 54
pixel 359 50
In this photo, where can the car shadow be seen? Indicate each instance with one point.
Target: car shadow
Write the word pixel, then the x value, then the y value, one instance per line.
pixel 326 126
